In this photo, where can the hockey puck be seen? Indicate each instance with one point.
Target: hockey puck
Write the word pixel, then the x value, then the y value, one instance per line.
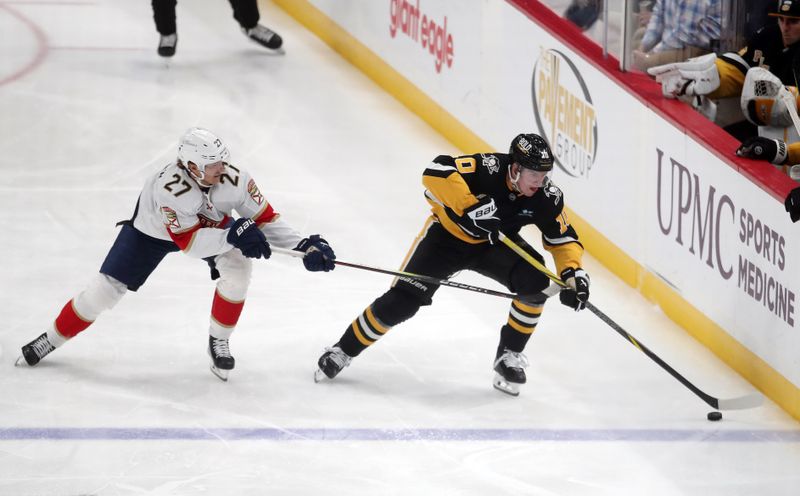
pixel 714 416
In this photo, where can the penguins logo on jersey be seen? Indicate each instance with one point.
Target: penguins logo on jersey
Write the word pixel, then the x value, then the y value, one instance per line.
pixel 552 191
pixel 491 163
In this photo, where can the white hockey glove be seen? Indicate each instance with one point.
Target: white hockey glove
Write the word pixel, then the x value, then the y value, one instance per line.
pixel 760 148
pixel 696 76
pixel 765 100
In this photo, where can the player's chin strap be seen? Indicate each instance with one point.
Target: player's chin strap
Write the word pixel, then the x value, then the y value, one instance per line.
pixel 514 178
pixel 201 178
pixel 739 403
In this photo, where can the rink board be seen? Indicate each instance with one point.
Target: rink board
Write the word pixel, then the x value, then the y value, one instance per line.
pixel 671 218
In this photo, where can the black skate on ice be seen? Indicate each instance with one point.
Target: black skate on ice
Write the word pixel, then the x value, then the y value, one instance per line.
pixel 264 37
pixel 510 372
pixel 33 352
pixel 331 363
pixel 167 44
pixel 221 360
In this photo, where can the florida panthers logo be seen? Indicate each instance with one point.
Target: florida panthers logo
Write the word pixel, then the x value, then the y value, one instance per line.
pixel 254 192
pixel 170 218
pixel 491 163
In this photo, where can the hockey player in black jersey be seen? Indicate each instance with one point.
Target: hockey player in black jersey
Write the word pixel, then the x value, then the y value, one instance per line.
pixel 473 198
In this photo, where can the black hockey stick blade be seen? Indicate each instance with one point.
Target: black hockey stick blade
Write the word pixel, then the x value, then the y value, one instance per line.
pixel 745 402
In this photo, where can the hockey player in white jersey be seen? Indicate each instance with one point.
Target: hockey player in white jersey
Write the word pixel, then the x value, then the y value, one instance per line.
pixel 188 206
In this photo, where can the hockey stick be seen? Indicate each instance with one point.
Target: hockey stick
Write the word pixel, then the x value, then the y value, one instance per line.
pixel 535 298
pixel 739 403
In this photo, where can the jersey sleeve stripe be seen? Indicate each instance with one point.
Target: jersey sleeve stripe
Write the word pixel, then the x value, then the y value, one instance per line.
pixel 560 241
pixel 735 60
pixel 439 170
pixel 266 215
pixel 184 238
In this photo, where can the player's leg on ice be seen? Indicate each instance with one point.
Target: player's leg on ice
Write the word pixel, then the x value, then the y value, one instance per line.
pixel 246 14
pixel 390 309
pixel 401 302
pixel 510 362
pixel 235 271
pixel 164 17
pixel 102 293
pixel 507 268
pixel 131 259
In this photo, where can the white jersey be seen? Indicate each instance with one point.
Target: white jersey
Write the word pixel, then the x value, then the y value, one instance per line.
pixel 172 206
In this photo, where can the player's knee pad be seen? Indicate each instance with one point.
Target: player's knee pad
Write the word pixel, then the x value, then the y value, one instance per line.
pixel 235 271
pixel 102 293
pixel 396 305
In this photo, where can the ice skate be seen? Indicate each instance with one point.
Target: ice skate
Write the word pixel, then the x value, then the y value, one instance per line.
pixel 510 372
pixel 331 363
pixel 221 360
pixel 167 44
pixel 264 37
pixel 34 351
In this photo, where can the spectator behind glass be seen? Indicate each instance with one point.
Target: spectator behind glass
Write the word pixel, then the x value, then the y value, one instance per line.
pixel 583 13
pixel 677 30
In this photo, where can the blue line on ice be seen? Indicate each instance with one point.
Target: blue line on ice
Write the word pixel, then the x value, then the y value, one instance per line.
pixel 344 434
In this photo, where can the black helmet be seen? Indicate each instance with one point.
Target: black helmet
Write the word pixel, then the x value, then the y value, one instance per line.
pixel 785 8
pixel 532 152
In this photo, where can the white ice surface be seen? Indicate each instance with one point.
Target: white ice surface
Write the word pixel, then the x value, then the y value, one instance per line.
pixel 87 109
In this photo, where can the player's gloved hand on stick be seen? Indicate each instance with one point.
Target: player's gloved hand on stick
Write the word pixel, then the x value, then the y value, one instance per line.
pixel 245 235
pixel 577 293
pixel 318 253
pixel 760 148
pixel 480 220
pixel 696 76
pixel 793 204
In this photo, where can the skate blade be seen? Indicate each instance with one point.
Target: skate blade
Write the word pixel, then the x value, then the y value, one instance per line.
pixel 21 361
pixel 222 374
pixel 319 376
pixel 510 388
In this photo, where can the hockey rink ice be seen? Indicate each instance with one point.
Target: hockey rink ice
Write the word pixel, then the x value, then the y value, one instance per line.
pixel 129 407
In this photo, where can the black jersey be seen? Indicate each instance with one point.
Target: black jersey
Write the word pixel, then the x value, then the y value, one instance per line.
pixel 453 184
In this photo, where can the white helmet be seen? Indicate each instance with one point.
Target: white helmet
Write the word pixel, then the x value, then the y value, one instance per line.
pixel 201 147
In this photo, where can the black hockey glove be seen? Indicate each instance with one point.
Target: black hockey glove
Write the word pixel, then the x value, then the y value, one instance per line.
pixel 759 148
pixel 577 292
pixel 480 220
pixel 245 235
pixel 792 204
pixel 318 253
